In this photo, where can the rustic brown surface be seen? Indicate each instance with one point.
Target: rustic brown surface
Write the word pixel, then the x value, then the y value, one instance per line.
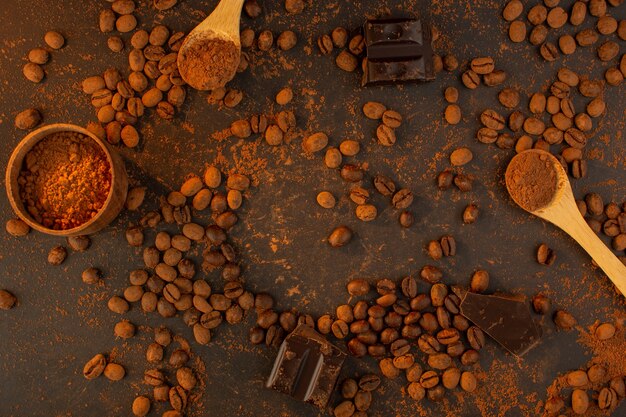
pixel 59 322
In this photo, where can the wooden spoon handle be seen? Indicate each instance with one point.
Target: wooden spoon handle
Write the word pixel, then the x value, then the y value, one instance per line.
pixel 578 229
pixel 226 17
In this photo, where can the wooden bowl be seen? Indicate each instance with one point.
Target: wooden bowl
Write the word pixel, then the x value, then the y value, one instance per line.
pixel 111 207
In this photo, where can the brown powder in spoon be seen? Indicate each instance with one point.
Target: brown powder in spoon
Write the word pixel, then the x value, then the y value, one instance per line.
pixel 207 64
pixel 531 179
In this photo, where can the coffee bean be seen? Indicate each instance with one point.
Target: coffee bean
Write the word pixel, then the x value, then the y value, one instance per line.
pixel 545 255
pixel 470 79
pixel 548 51
pixel 434 250
pixel 359 195
pixel 386 135
pixel 429 379
pixel 351 173
pixel 512 10
pixel 416 391
pixel 186 378
pixel 391 119
pixel 486 135
pixel 141 406
pixel 94 367
pixel 607 398
pixel 541 304
pixel 517 31
pixel 369 382
pixel 463 182
pixel 452 114
pixel 492 120
pixel 402 199
pixel 384 185
pixel 538 35
pixel 357 44
pixel 617 385
pixel 366 212
pixel 580 401
pixel 605 331
pixel 564 320
pixel 431 274
pixel 468 381
pixel 325 44
pixel 374 110
pixel 482 65
pixel 114 371
pixel 448 245
pixel 444 179
pixel 153 377
pixel 326 200
pixel 451 95
pixel 475 337
pixel 450 63
pixel 344 409
pixel 494 78
pixel 339 329
pixel 340 236
pixel 358 287
pixel 409 287
pixel 439 361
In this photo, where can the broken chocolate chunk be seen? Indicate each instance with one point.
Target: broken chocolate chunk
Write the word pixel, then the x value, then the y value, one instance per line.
pixel 307 367
pixel 398 50
pixel 507 320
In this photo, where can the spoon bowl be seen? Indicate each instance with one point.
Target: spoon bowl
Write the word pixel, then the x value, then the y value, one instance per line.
pixel 209 55
pixel 540 172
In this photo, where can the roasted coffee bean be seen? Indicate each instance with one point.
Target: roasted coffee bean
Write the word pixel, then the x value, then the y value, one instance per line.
pixel 470 357
pixel 517 31
pixel 349 388
pixel 492 120
pixel 438 293
pixel 597 373
pixel 548 51
pixel 340 329
pixel 154 353
pixel 468 381
pixel 409 287
pixel 545 255
pixel 374 110
pixel 141 406
pixel 428 344
pixel 494 78
pixel 153 377
pixel 617 385
pixel 186 378
pixel 428 322
pixel 325 44
pixel 463 182
pixel 416 391
pixel 448 336
pixel 486 135
pixel 274 336
pixel 340 236
pixel 358 287
pixel 429 379
pixel 257 335
pixel 580 401
pixel 475 337
pixel 386 136
pixel 448 245
pixel 470 79
pixel 351 173
pixel 452 114
pixel 605 331
pixel 564 320
pixel 94 367
pixel 431 274
pixel 114 371
pixel 607 398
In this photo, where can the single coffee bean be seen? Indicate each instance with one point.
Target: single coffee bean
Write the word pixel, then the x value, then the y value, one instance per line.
pixel 153 377
pixel 548 51
pixel 463 182
pixel 596 374
pixel 545 255
pixel 468 381
pixel 517 31
pixel 94 367
pixel 340 236
pixel 605 331
pixel 580 401
pixel 494 78
pixel 492 120
pixel 564 320
pixel 114 371
pixel 452 114
pixel 470 79
pixel 374 110
pixel 386 136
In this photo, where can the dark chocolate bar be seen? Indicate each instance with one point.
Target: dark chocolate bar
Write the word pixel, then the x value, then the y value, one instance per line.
pixel 508 321
pixel 397 50
pixel 307 367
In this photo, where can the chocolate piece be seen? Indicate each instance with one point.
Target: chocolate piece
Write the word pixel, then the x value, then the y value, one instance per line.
pixel 398 50
pixel 307 367
pixel 507 321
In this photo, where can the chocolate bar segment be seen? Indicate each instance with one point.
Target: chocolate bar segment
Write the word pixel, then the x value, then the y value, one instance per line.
pixel 307 367
pixel 508 321
pixel 397 51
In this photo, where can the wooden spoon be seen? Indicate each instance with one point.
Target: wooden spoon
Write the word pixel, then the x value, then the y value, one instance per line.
pixel 563 212
pixel 198 62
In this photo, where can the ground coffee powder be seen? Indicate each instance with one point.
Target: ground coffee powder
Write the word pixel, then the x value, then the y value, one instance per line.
pixel 209 63
pixel 531 179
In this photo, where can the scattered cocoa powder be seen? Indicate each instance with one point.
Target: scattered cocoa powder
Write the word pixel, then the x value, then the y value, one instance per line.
pixel 531 179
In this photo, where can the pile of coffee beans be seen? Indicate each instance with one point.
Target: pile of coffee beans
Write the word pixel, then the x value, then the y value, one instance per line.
pixel 154 82
pixel 356 396
pixel 400 319
pixel 168 283
pixel 276 129
pixel 445 246
pixel 272 326
pixel 549 16
pixel 351 48
pixel 607 389
pixel 390 120
pixel 609 219
pixel 178 393
pixel 482 68
pixel 99 365
pixel 37 57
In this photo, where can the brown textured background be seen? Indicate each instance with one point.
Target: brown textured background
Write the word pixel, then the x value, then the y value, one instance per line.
pixel 60 322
